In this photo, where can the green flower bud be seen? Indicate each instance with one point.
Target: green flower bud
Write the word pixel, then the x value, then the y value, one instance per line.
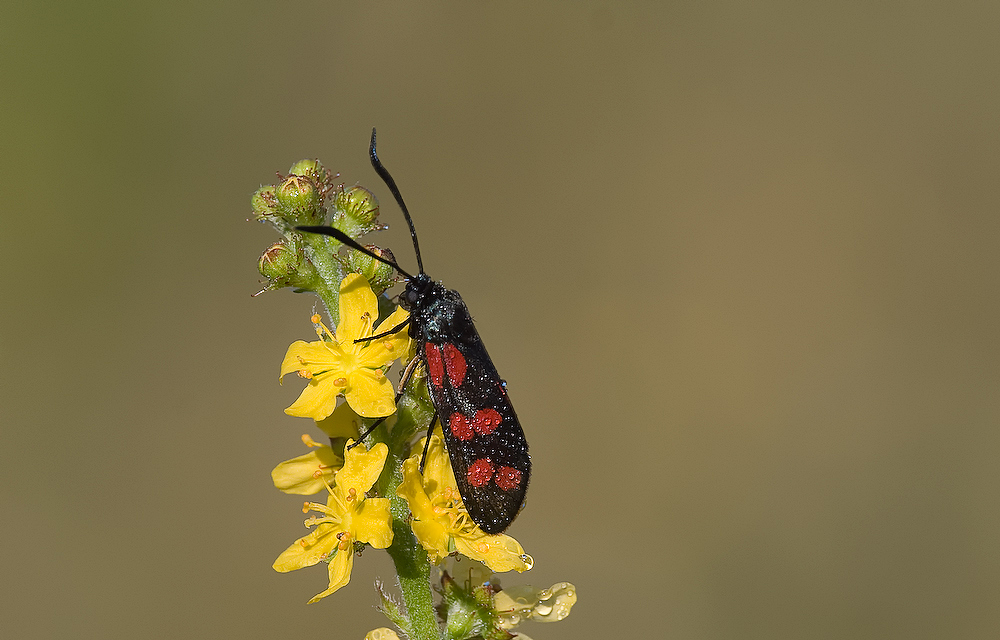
pixel 284 266
pixel 358 204
pixel 315 171
pixel 300 201
pixel 380 275
pixel 467 615
pixel 264 203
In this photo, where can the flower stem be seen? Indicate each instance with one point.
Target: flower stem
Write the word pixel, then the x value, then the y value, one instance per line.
pixel 412 564
pixel 330 271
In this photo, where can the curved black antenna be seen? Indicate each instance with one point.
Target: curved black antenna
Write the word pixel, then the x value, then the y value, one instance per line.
pixel 387 179
pixel 354 244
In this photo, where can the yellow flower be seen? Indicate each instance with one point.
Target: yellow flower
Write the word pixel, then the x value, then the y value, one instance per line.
pixel 308 473
pixel 382 633
pixel 440 521
pixel 347 517
pixel 337 364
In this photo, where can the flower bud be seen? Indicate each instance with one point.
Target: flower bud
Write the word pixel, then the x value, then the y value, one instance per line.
pixel 284 266
pixel 300 201
pixel 358 204
pixel 264 203
pixel 467 615
pixel 315 171
pixel 380 275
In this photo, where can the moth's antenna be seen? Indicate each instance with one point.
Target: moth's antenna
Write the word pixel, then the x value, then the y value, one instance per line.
pixel 354 244
pixel 387 179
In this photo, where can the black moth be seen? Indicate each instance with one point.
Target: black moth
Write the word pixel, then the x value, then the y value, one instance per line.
pixel 488 452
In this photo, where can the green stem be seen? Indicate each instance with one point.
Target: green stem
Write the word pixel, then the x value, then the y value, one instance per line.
pixel 410 559
pixel 412 566
pixel 321 255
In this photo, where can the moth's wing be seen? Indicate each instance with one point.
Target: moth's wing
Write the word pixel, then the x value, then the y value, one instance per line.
pixel 485 442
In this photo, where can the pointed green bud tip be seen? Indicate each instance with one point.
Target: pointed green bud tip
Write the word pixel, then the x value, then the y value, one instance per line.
pixel 358 204
pixel 314 170
pixel 264 203
pixel 300 201
pixel 284 266
pixel 380 275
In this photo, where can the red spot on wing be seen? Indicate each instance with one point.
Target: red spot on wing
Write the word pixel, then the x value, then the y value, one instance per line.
pixel 479 472
pixel 460 427
pixel 507 478
pixel 454 361
pixel 434 366
pixel 486 421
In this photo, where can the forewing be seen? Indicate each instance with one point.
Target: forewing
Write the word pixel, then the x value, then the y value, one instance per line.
pixel 486 445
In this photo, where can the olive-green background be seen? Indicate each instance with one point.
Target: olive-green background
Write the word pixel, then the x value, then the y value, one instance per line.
pixel 737 262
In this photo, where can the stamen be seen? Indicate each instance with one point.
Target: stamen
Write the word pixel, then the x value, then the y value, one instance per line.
pixel 305 373
pixel 352 494
pixel 321 329
pixel 309 442
pixel 340 382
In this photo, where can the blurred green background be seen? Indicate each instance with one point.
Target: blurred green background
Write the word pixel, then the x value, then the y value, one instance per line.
pixel 737 261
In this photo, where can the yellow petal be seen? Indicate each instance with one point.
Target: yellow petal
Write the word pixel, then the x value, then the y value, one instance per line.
pixel 356 300
pixel 340 573
pixel 382 633
pixel 317 400
pixel 361 468
pixel 398 343
pixel 318 356
pixel 370 394
pixel 499 553
pixel 342 423
pixel 433 537
pixel 291 361
pixel 308 550
pixel 304 475
pixel 554 603
pixel 437 469
pixel 412 489
pixel 372 523
pixel 523 602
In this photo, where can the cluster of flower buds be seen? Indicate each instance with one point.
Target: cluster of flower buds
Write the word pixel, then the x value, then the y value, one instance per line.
pixel 310 195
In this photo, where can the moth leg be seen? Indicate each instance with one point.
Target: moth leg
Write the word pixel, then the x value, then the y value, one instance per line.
pixel 427 441
pixel 407 374
pixel 399 327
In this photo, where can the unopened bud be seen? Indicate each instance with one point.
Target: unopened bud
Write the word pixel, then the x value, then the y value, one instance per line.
pixel 264 203
pixel 284 266
pixel 315 171
pixel 300 201
pixel 380 275
pixel 358 204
